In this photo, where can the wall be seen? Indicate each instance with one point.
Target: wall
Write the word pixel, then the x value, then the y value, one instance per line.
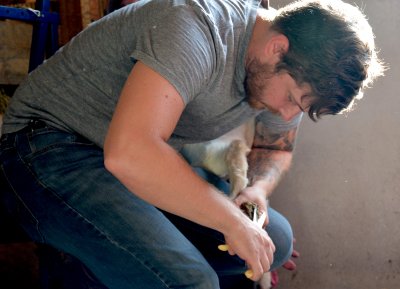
pixel 342 195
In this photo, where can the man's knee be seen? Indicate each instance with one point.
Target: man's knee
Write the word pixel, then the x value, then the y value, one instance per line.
pixel 206 278
pixel 281 234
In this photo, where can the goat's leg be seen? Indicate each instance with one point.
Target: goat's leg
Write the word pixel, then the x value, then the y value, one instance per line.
pixel 236 161
pixel 265 282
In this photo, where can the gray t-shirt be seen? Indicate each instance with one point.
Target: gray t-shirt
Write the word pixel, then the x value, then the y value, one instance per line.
pixel 199 46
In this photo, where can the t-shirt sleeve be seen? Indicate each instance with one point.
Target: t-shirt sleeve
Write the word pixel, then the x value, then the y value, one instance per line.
pixel 178 44
pixel 276 124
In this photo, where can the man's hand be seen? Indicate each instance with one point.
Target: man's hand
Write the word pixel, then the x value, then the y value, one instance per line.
pixel 252 244
pixel 254 194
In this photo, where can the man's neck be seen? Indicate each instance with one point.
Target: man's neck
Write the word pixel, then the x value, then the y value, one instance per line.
pixel 261 33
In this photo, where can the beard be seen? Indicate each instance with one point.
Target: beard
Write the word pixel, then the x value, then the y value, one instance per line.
pixel 256 82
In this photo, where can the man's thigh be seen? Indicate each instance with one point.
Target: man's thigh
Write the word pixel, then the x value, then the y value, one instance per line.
pixel 80 208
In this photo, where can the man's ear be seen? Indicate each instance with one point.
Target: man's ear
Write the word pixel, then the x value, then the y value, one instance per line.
pixel 276 47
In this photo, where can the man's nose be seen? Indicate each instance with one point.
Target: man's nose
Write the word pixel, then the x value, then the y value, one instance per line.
pixel 289 112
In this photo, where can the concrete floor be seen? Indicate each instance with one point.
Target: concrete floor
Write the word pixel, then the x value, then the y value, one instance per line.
pixel 342 195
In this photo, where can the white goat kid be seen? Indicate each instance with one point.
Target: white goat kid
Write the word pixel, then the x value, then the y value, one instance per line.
pixel 226 157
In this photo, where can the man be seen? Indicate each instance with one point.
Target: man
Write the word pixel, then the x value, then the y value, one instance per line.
pixel 95 133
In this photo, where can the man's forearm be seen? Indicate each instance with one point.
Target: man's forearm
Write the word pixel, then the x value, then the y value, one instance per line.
pixel 270 157
pixel 267 167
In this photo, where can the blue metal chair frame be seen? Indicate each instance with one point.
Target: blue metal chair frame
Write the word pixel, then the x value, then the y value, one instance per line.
pixel 45 29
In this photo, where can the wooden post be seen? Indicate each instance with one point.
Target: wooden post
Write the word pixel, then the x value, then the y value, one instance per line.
pixel 70 19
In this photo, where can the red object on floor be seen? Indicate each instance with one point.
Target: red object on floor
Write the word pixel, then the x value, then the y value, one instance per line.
pixel 274 279
pixel 289 265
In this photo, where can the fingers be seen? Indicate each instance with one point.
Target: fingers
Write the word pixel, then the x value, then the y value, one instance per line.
pixel 231 252
pixel 252 195
pixel 257 270
pixel 261 206
pixel 258 266
pixel 251 243
pixel 263 263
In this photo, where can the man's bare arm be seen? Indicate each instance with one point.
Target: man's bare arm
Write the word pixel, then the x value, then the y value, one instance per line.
pixel 270 157
pixel 137 153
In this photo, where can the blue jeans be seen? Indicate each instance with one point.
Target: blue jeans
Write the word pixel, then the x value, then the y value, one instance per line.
pixel 55 184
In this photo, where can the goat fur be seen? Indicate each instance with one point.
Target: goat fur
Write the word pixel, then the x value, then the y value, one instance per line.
pixel 225 156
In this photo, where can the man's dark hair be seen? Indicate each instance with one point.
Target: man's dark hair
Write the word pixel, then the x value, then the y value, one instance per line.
pixel 331 47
